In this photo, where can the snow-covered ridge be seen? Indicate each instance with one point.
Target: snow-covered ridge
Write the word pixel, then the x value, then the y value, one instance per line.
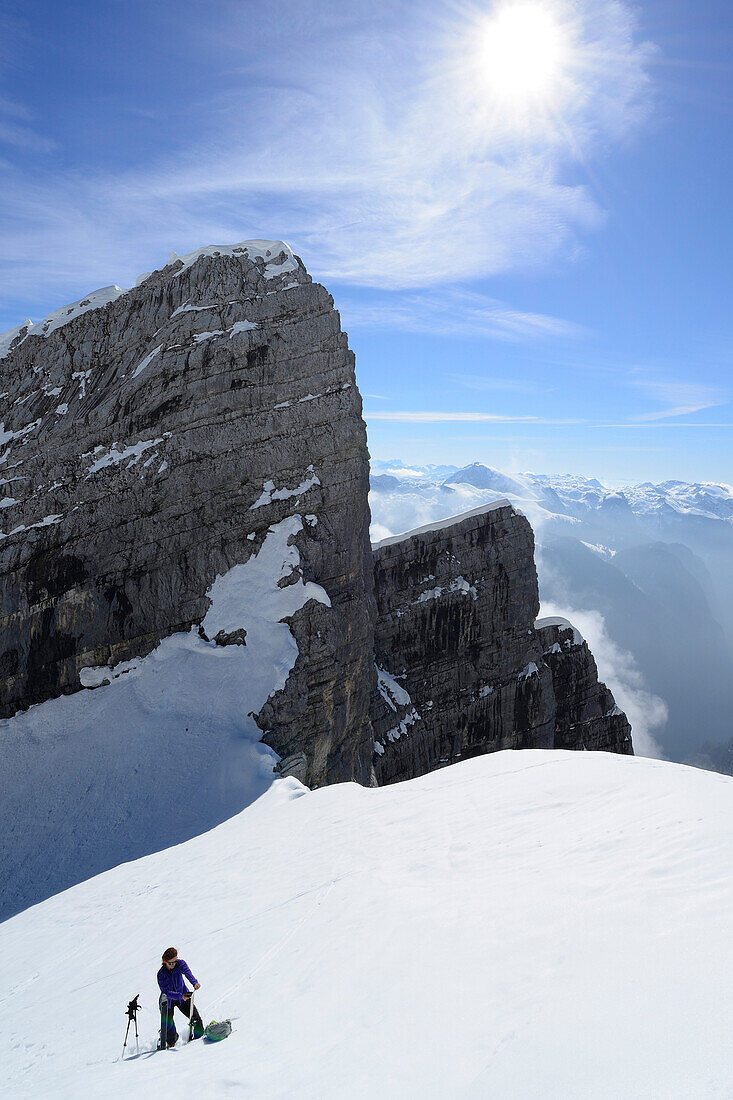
pixel 278 258
pixel 438 525
pixel 564 624
pixel 269 251
pixel 98 298
pixel 497 900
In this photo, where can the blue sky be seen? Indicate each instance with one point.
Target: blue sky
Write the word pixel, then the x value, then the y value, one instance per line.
pixel 533 277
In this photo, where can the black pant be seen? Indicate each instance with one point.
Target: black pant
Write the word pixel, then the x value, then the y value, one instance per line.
pixel 185 1008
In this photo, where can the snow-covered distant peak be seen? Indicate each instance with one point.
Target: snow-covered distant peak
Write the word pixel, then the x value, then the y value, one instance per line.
pixel 404 495
pixel 397 468
pixel 568 482
pixel 484 477
pixel 12 339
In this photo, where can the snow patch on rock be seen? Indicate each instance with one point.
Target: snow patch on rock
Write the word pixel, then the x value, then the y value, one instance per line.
pixel 147 360
pixel 270 493
pixel 460 584
pixel 114 456
pixel 47 521
pixel 393 693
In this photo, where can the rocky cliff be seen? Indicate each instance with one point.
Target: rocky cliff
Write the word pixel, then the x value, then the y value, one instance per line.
pixel 463 669
pixel 150 440
pixel 188 588
pixel 586 715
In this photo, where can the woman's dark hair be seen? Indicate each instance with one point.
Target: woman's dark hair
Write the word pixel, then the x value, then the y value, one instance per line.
pixel 170 954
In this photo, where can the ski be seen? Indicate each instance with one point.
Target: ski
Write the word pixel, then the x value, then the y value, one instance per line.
pixel 190 1021
pixel 162 1045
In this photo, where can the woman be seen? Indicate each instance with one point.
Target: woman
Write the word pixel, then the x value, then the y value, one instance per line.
pixel 175 993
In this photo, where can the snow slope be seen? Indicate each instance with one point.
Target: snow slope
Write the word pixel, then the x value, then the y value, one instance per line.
pixel 159 748
pixel 522 925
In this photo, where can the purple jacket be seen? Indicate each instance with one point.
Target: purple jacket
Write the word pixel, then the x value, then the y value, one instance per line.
pixel 171 981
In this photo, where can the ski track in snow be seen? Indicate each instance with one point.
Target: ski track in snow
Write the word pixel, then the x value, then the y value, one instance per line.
pixel 531 924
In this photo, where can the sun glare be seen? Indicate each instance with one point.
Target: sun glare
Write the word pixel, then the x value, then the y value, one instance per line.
pixel 523 53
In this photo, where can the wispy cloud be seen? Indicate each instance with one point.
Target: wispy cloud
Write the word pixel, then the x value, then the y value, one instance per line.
pixel 363 137
pixel 677 398
pixel 640 425
pixel 486 383
pixel 17 122
pixel 12 109
pixel 23 137
pixel 452 312
pixel 412 417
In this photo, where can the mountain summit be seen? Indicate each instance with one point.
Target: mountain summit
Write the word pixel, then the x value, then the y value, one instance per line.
pixel 188 585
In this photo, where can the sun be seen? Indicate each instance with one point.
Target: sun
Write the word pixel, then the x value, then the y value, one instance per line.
pixel 523 53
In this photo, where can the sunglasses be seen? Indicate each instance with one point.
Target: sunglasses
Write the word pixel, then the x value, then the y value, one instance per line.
pixel 170 962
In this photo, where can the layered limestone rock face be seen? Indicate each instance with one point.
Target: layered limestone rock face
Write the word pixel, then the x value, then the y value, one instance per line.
pixel 151 438
pixel 586 715
pixel 461 668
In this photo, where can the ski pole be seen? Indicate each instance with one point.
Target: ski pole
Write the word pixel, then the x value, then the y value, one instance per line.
pixel 125 1042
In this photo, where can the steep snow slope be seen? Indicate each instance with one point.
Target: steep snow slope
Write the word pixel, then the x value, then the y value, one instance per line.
pixel 529 924
pixel 159 748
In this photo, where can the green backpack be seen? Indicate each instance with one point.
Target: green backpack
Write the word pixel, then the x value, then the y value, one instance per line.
pixel 215 1032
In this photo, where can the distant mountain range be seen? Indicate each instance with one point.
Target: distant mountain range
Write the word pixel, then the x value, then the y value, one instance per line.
pixel 567 494
pixel 650 567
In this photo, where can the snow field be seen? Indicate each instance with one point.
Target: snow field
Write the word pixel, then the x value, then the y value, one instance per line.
pixel 526 924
